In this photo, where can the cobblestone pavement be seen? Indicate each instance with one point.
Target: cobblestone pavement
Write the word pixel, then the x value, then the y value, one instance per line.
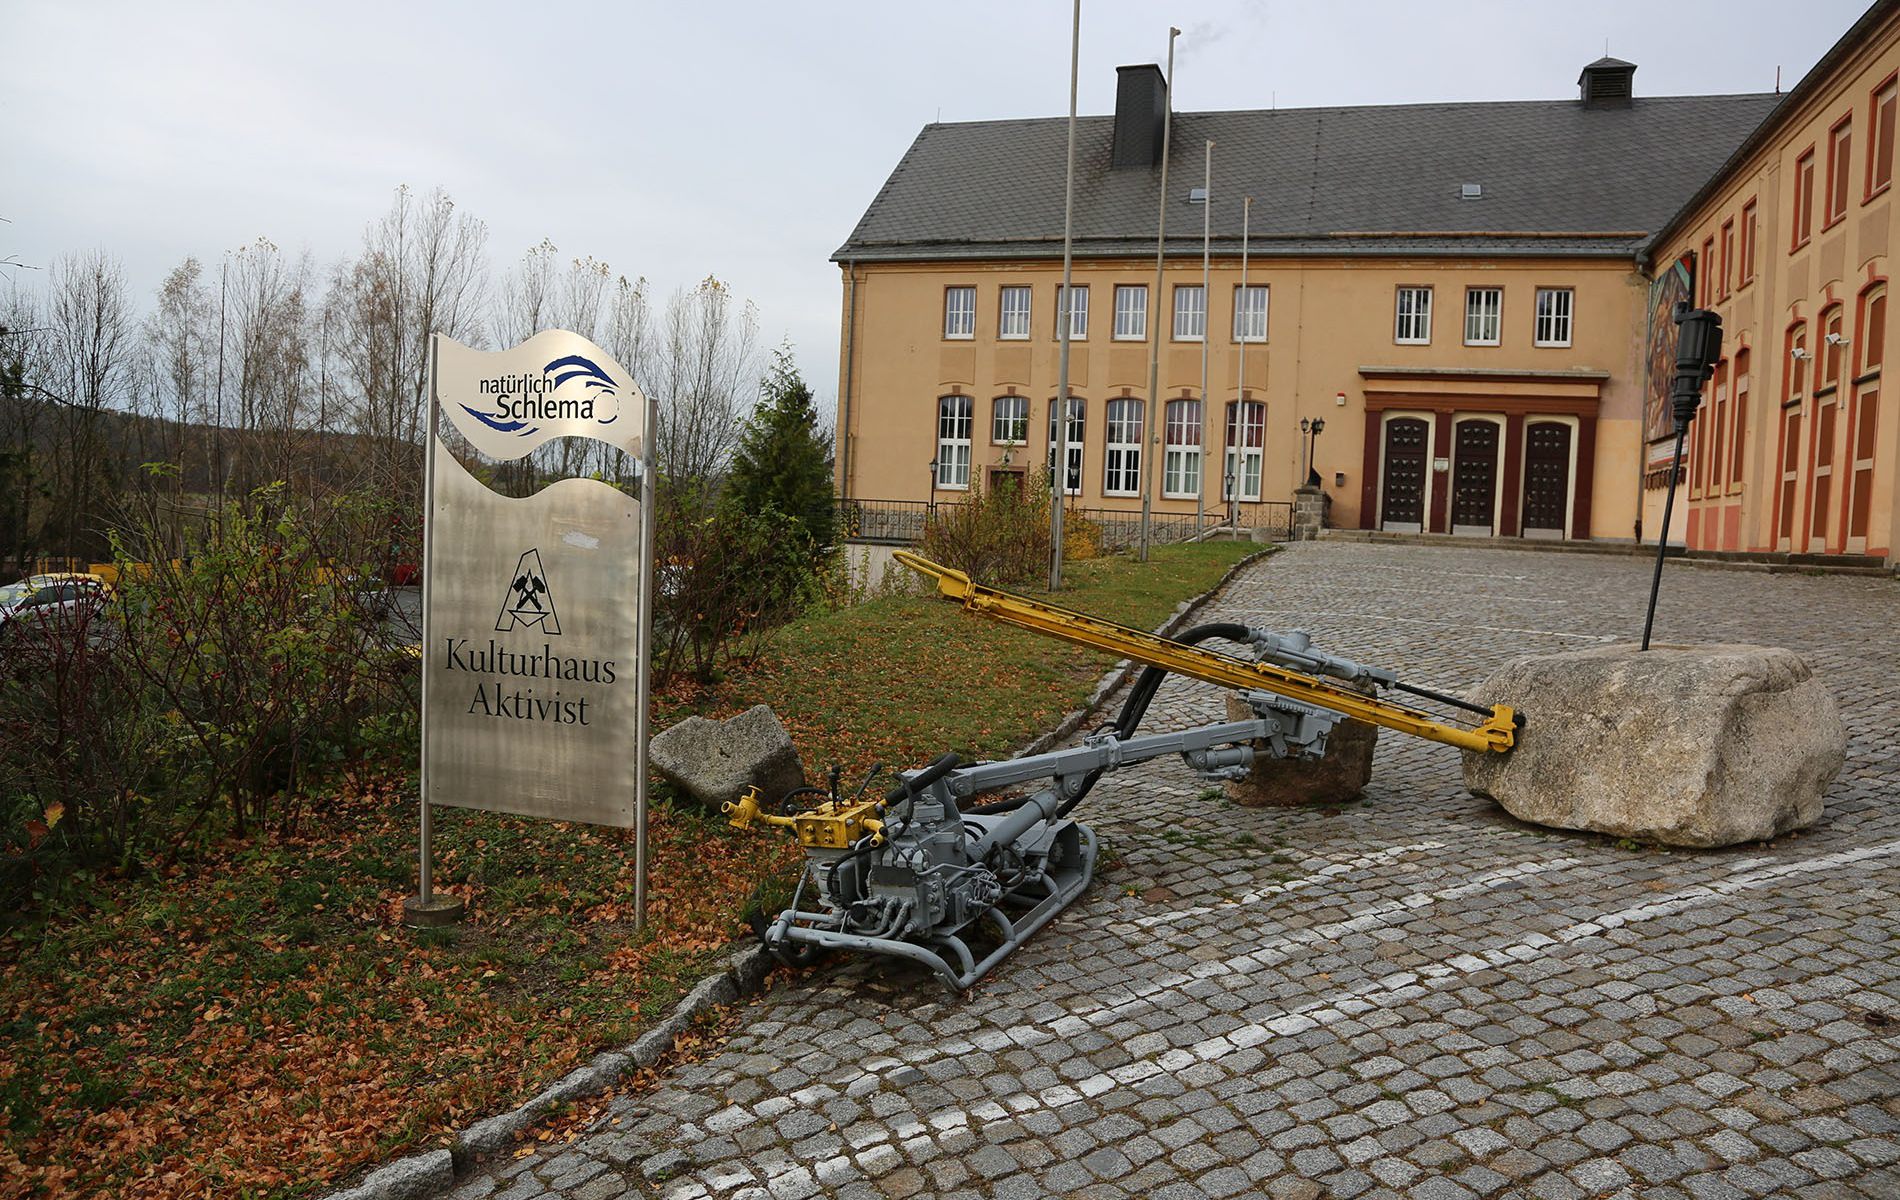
pixel 1412 996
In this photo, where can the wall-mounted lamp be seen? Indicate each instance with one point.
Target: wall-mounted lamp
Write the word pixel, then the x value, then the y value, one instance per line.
pixel 1339 398
pixel 1339 479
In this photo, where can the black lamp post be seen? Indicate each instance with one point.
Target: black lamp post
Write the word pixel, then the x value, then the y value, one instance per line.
pixel 1229 493
pixel 933 487
pixel 1698 345
pixel 1309 437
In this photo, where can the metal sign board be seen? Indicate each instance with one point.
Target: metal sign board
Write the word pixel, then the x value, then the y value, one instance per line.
pixel 533 608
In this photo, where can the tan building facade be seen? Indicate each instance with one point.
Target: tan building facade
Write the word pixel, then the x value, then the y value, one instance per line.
pixel 1437 383
pixel 1795 447
pixel 1462 295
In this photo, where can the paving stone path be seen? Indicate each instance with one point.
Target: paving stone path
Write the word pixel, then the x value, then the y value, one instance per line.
pixel 1413 996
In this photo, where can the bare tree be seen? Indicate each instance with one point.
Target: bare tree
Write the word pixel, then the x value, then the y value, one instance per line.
pixel 87 361
pixel 524 303
pixel 704 369
pixel 269 348
pixel 421 272
pixel 24 416
pixel 181 358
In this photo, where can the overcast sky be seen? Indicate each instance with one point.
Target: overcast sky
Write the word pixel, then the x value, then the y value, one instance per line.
pixel 683 139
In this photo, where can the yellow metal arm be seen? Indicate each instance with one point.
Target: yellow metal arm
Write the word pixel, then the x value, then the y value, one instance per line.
pixel 1498 733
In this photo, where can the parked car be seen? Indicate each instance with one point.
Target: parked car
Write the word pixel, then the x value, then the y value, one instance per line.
pixel 45 602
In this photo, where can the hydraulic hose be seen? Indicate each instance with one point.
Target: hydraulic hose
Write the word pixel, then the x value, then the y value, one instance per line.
pixel 923 779
pixel 1133 710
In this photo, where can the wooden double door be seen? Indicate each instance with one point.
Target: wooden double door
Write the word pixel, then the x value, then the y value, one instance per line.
pixel 1476 470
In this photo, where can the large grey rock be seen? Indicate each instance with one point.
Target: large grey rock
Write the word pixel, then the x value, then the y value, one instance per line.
pixel 1336 777
pixel 715 761
pixel 1685 745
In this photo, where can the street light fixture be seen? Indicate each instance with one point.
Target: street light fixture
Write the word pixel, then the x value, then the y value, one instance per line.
pixel 933 487
pixel 1309 433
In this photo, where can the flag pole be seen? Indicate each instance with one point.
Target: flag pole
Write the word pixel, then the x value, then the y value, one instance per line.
pixel 1060 479
pixel 1154 312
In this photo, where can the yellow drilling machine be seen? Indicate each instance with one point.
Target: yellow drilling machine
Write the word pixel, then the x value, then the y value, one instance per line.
pixel 933 872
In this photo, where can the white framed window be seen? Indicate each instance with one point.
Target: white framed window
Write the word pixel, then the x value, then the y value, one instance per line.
pixel 959 312
pixel 1190 312
pixel 1009 421
pixel 1078 412
pixel 1250 313
pixel 1484 316
pixel 1121 474
pixel 1013 322
pixel 1131 312
pixel 1413 326
pixel 1246 447
pixel 1078 317
pixel 1554 306
pixel 953 441
pixel 1181 458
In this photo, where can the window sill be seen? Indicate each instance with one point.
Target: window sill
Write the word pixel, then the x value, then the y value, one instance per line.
pixel 1248 342
pixel 1551 345
pixel 1012 337
pixel 1180 495
pixel 1120 495
pixel 1408 342
pixel 1189 341
pixel 1482 345
pixel 1877 193
pixel 1128 337
pixel 1801 245
pixel 1832 221
pixel 959 337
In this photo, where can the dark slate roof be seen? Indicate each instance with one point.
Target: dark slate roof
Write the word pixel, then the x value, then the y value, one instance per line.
pixel 1558 179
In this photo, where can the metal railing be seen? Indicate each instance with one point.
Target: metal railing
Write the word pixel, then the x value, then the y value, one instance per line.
pixel 902 522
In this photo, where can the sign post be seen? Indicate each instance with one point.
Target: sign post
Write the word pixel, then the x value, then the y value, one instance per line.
pixel 536 611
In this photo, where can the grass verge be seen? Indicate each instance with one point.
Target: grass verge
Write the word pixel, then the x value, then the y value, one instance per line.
pixel 257 1022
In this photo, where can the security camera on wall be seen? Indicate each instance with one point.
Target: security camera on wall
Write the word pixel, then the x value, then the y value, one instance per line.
pixel 1835 339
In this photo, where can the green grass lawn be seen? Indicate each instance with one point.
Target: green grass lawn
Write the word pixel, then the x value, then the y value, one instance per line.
pixel 256 1021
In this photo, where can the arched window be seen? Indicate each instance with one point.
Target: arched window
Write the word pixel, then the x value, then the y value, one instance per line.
pixel 1078 413
pixel 1181 462
pixel 1870 342
pixel 1009 421
pixel 1825 433
pixel 1740 404
pixel 1870 338
pixel 1718 428
pixel 1830 348
pixel 953 441
pixel 1795 384
pixel 1246 447
pixel 1796 376
pixel 1121 471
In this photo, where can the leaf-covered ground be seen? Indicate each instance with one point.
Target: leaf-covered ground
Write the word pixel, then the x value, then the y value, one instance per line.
pixel 258 1022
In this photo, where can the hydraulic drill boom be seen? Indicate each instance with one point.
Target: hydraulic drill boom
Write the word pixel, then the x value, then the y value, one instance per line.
pixel 933 872
pixel 1497 733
